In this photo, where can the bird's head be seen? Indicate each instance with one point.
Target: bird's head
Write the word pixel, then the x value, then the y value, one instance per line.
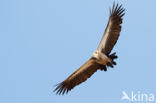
pixel 95 54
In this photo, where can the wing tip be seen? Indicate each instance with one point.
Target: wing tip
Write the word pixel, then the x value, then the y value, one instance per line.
pixel 61 88
pixel 117 10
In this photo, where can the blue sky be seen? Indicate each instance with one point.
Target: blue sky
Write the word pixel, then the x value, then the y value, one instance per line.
pixel 43 41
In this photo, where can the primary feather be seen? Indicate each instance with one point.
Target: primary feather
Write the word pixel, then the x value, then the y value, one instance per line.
pixel 112 30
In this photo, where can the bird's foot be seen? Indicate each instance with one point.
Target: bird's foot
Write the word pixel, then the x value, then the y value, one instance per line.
pixel 103 67
pixel 112 57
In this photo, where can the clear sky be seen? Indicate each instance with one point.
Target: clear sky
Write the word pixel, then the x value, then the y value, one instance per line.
pixel 43 41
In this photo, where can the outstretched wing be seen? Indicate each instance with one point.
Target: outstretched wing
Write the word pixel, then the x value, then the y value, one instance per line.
pixel 79 76
pixel 112 30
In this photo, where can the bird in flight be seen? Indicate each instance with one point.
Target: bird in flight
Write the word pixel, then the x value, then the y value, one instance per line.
pixel 101 58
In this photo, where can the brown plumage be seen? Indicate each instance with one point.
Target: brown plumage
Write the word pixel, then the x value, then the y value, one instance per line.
pixel 79 76
pixel 112 30
pixel 107 43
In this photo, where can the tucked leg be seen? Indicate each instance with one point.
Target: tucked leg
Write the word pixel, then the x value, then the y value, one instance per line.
pixel 103 67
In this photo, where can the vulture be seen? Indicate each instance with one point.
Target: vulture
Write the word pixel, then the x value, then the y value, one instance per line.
pixel 101 58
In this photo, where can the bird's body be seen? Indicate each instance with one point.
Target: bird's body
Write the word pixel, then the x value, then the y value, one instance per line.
pixel 101 58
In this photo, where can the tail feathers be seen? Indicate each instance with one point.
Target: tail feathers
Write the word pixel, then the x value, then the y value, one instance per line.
pixel 109 64
pixel 112 63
